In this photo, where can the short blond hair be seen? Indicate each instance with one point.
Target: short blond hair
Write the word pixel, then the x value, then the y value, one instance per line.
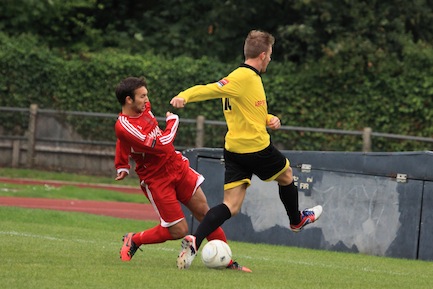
pixel 257 42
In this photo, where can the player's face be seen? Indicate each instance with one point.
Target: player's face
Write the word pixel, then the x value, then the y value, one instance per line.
pixel 266 59
pixel 140 99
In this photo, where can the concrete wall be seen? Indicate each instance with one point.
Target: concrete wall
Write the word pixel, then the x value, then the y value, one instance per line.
pixel 374 203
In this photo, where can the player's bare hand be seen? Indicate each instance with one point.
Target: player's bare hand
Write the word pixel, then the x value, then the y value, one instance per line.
pixel 274 123
pixel 177 102
pixel 121 175
pixel 168 113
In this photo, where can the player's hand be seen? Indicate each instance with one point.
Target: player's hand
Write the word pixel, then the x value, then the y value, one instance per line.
pixel 168 113
pixel 177 102
pixel 274 123
pixel 121 175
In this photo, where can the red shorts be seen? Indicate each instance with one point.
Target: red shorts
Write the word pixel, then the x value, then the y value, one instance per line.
pixel 175 185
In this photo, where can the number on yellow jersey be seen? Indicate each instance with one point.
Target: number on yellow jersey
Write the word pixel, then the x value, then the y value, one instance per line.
pixel 227 105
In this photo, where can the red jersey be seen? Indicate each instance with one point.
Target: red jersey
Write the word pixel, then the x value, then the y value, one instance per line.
pixel 141 138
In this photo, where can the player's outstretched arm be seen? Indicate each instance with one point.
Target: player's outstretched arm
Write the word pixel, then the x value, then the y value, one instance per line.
pixel 172 124
pixel 121 160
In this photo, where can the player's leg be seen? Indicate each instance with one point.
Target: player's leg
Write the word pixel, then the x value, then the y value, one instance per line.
pixel 288 193
pixel 196 201
pixel 217 215
pixel 237 178
pixel 157 234
pixel 213 219
pixel 199 207
pixel 172 221
pixel 236 182
pixel 277 167
pixel 163 196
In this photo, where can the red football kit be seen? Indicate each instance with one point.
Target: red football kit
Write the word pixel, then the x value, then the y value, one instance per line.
pixel 165 175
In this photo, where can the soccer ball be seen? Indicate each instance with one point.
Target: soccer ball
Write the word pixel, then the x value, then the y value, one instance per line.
pixel 216 254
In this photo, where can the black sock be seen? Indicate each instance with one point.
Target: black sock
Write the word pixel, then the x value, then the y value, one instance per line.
pixel 214 218
pixel 289 197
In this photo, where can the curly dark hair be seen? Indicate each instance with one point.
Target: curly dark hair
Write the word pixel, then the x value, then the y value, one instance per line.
pixel 128 86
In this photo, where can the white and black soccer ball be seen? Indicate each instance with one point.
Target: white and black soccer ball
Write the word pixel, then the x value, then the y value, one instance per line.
pixel 216 254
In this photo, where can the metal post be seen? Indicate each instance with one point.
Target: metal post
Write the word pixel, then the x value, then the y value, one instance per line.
pixel 199 141
pixel 31 136
pixel 366 139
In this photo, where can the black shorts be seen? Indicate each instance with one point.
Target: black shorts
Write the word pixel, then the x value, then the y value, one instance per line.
pixel 267 164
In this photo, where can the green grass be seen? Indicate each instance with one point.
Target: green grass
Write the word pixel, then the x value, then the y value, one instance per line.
pixel 68 191
pixel 51 249
pixel 60 176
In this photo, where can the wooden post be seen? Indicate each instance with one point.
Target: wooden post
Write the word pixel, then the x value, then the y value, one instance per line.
pixel 16 145
pixel 31 136
pixel 199 141
pixel 366 139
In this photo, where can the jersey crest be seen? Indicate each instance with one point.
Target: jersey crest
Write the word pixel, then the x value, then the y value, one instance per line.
pixel 222 82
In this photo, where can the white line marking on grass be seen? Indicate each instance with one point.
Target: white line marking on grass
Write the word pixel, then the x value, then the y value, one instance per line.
pixel 44 237
pixel 27 235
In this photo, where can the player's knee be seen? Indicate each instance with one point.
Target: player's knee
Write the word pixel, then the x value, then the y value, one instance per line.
pixel 201 212
pixel 234 209
pixel 286 178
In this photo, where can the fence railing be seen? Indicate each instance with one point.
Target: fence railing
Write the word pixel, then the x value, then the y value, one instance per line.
pixel 200 127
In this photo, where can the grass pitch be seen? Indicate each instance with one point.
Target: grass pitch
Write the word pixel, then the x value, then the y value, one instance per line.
pixel 51 249
pixel 64 176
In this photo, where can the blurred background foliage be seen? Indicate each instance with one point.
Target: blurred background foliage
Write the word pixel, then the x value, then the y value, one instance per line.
pixel 338 64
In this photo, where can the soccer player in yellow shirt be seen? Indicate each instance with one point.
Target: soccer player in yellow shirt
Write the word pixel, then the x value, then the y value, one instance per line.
pixel 247 149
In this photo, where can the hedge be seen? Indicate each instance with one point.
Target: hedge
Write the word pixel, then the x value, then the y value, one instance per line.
pixel 340 92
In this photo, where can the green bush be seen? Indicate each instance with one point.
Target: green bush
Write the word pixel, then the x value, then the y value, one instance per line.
pixel 387 93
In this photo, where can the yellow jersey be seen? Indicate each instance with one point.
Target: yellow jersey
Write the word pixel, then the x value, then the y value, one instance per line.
pixel 244 105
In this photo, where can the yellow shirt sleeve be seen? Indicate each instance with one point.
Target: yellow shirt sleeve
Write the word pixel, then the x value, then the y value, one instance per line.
pixel 269 118
pixel 244 106
pixel 214 90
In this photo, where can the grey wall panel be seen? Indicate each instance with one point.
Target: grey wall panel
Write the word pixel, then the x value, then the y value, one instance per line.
pixel 416 164
pixel 365 209
pixel 426 234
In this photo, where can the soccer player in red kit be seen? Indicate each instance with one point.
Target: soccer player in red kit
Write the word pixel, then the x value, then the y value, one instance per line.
pixel 166 178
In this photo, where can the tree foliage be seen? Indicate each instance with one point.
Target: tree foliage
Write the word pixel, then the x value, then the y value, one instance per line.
pixel 340 64
pixel 306 30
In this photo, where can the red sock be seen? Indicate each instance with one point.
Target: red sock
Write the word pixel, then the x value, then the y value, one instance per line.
pixel 218 234
pixel 154 235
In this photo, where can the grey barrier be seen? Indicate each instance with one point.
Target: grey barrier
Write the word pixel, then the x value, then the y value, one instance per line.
pixel 374 203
